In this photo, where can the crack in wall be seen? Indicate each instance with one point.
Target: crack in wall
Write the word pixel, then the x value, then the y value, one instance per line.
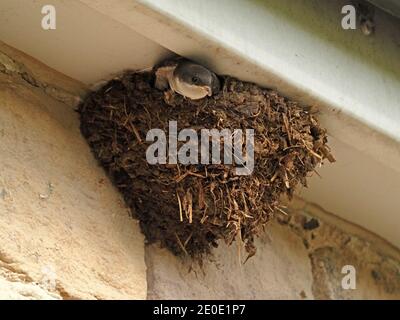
pixel 13 274
pixel 9 265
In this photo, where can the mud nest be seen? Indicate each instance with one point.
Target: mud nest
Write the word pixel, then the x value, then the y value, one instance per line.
pixel 189 208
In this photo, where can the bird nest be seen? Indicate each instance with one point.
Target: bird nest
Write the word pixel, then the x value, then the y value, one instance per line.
pixel 189 208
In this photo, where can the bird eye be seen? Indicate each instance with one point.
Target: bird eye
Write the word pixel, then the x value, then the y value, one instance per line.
pixel 195 80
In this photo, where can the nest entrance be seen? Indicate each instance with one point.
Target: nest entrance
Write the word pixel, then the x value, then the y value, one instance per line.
pixel 189 208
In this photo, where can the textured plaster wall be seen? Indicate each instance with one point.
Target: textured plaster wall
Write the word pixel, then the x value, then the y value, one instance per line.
pixel 65 231
pixel 300 256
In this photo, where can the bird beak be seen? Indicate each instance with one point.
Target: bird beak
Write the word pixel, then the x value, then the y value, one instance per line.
pixel 209 92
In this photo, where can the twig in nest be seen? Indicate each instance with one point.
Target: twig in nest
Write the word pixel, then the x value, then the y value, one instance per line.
pixel 180 207
pixel 136 133
pixel 181 245
pixel 285 213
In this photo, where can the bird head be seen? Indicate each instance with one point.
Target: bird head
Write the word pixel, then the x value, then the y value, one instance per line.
pixel 195 81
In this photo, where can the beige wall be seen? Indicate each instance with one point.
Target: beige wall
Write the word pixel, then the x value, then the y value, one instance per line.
pixel 292 262
pixel 60 217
